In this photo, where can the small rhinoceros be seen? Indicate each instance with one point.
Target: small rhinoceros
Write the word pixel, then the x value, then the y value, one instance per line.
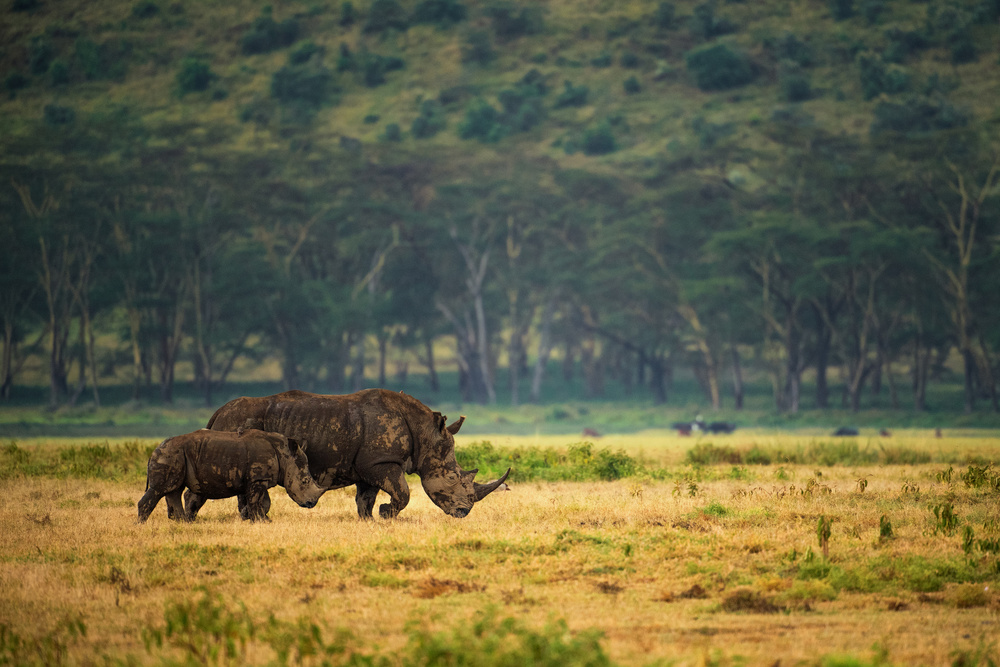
pixel 220 464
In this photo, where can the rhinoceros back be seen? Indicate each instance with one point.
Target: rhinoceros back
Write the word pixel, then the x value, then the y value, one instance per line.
pixel 330 429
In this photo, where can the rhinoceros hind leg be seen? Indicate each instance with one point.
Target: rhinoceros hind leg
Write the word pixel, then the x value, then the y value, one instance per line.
pixel 192 503
pixel 390 478
pixel 175 507
pixel 258 503
pixel 148 503
pixel 365 498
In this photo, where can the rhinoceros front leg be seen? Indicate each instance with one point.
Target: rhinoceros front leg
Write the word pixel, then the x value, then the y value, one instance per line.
pixel 390 478
pixel 258 503
pixel 365 498
pixel 241 504
pixel 175 508
pixel 192 503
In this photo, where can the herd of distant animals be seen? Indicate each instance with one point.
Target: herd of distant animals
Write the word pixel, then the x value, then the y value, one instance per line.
pixel 309 444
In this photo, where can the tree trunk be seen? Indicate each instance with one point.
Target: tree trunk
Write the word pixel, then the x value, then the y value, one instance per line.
pixel 737 377
pixel 383 345
pixel 658 379
pixel 544 348
pixel 432 376
pixel 7 366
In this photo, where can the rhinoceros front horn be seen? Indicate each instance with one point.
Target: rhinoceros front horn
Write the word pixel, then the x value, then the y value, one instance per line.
pixel 483 490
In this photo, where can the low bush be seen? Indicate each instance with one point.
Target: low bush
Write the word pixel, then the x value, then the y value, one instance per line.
pixel 478 48
pixel 386 15
pixel 442 13
pixel 308 85
pixel 719 67
pixel 145 9
pixel 40 54
pixel 664 16
pixel 511 21
pixel 706 24
pixel 877 78
pixel 430 121
pixel 917 116
pixel 572 96
pixel 599 140
pixel 841 9
pixel 632 86
pixel 266 35
pixel 58 115
pixel 194 76
pixel 105 61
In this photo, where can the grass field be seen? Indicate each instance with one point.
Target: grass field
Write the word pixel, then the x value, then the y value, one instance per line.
pixel 639 549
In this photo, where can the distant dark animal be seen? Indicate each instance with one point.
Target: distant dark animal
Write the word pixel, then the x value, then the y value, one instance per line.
pixel 371 439
pixel 216 464
pixel 846 430
pixel 720 427
pixel 682 428
pixel 590 433
pixel 937 433
pixel 885 433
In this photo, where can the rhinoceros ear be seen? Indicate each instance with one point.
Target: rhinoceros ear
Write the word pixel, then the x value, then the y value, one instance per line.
pixel 453 429
pixel 439 421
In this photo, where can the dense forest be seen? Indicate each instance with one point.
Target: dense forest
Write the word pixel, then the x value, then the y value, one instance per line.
pixel 782 188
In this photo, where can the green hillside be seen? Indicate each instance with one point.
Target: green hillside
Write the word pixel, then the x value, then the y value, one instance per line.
pixel 781 188
pixel 100 58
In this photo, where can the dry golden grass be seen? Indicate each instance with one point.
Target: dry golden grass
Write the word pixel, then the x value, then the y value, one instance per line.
pixel 623 557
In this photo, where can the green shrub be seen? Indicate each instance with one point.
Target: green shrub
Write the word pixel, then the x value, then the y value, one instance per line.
pixel 719 67
pixel 59 73
pixel 877 78
pixel 572 96
pixel 707 25
pixel 308 85
pixel 789 47
pixel 145 9
pixel 510 21
pixel 963 49
pixel 40 53
pixel 194 76
pixel 373 70
pixel 14 82
pixel 442 13
pixel 663 17
pixel 841 9
pixel 303 53
pixel 917 116
pixel 601 61
pixel 266 35
pixel 386 15
pixel 482 122
pixel 348 15
pixel 632 86
pixel 872 10
pixel 346 61
pixel 58 115
pixel 24 5
pixel 902 44
pixel 793 83
pixel 478 48
pixel 108 60
pixel 392 133
pixel 629 60
pixel 430 121
pixel 599 140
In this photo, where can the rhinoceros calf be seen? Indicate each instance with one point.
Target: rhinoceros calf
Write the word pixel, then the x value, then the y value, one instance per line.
pixel 218 464
pixel 371 439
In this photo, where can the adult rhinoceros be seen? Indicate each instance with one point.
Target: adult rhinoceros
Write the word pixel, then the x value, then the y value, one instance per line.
pixel 370 439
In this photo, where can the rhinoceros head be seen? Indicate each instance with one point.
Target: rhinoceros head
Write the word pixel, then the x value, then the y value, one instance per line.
pixel 448 486
pixel 294 473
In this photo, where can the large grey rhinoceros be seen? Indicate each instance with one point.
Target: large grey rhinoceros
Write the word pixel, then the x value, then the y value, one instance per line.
pixel 371 439
pixel 216 464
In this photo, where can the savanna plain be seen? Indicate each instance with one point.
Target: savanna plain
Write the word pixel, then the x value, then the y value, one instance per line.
pixel 647 548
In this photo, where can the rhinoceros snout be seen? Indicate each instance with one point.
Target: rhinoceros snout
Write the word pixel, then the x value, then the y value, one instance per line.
pixel 308 504
pixel 460 512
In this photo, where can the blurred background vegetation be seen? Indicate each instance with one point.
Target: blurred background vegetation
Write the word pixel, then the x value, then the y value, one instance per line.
pixel 782 207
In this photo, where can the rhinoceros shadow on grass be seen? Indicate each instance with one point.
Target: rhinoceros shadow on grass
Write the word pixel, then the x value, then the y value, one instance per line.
pixel 371 439
pixel 217 464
